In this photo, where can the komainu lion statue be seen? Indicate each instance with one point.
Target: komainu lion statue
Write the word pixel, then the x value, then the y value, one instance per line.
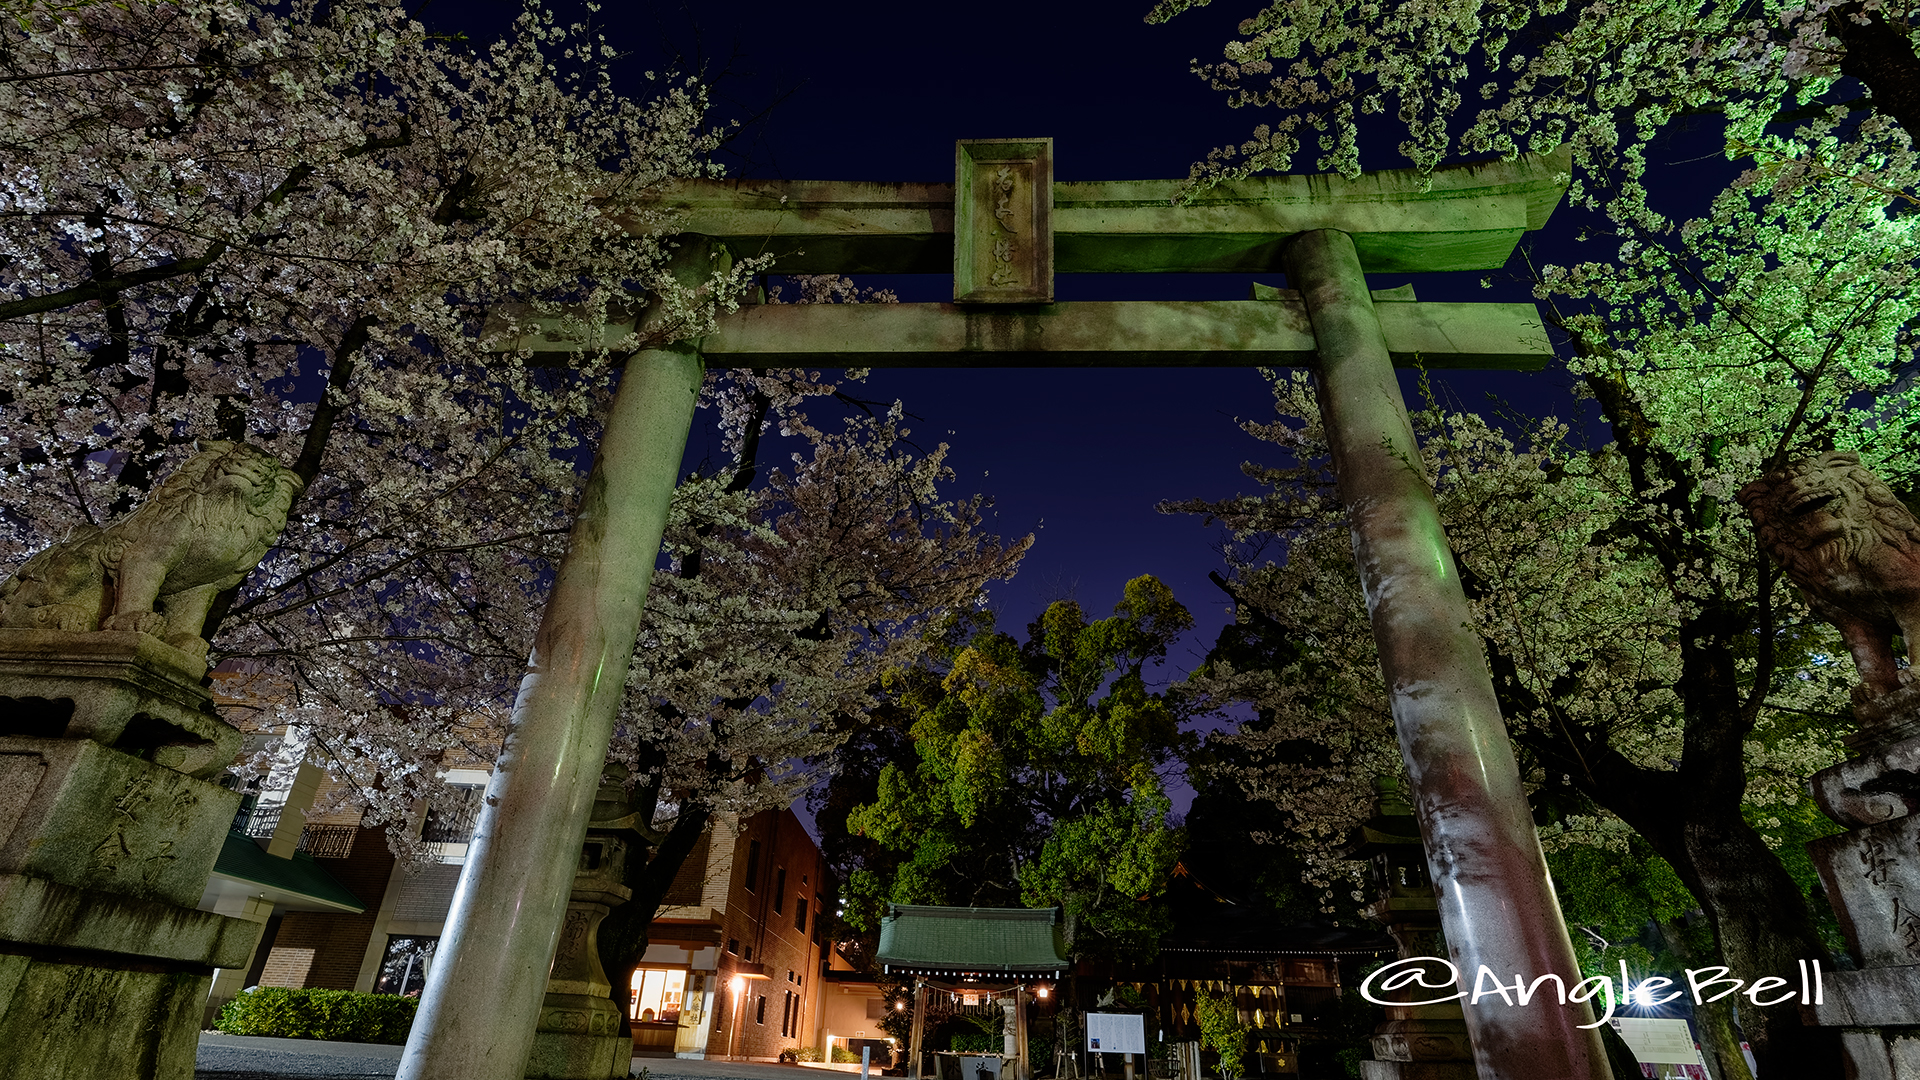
pixel 1854 548
pixel 158 569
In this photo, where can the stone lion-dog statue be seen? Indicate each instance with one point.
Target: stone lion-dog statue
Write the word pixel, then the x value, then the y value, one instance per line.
pixel 157 570
pixel 1853 547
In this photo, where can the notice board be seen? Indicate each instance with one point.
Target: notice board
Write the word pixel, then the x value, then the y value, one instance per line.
pixel 1658 1042
pixel 1116 1033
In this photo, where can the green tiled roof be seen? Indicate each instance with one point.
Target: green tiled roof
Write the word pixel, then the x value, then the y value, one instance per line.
pixel 241 858
pixel 915 938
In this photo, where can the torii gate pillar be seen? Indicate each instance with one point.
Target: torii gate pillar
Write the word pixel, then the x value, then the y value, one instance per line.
pixel 484 995
pixel 1497 906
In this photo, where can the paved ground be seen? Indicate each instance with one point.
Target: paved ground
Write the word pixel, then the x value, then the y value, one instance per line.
pixel 249 1057
pixel 696 1069
pixel 246 1057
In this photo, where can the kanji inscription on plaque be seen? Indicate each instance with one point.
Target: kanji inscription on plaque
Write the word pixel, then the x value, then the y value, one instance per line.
pixel 1003 221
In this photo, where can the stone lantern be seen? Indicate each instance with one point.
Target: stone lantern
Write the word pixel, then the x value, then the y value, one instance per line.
pixel 1417 1042
pixel 579 1034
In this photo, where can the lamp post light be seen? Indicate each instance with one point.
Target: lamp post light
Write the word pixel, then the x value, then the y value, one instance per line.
pixel 739 987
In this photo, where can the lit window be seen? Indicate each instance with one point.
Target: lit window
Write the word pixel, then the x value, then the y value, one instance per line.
pixel 656 995
pixel 404 969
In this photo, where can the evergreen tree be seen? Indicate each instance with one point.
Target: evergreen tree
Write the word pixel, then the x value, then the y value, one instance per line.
pixel 1037 777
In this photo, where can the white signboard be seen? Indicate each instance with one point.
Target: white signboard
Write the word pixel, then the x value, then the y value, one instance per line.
pixel 1657 1042
pixel 1117 1033
pixel 977 1066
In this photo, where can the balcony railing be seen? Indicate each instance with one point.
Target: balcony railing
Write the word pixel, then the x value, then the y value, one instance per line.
pixel 319 841
pixel 257 821
pixel 327 841
pixel 455 827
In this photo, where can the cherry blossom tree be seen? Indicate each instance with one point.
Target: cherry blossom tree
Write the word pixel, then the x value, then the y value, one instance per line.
pixel 321 229
pixel 1607 77
pixel 768 640
pixel 1648 657
pixel 288 225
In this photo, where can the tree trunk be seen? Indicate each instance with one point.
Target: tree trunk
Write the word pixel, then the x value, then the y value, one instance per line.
pixel 1759 919
pixel 1718 1036
pixel 1763 927
pixel 1693 819
pixel 1717 1030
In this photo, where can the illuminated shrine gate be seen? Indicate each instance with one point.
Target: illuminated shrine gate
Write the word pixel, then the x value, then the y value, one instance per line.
pixel 1003 229
pixel 988 958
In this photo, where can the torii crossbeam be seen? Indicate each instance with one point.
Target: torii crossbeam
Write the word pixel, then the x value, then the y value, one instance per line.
pixel 1003 228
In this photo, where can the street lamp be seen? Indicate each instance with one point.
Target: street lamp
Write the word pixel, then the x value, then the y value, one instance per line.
pixel 739 987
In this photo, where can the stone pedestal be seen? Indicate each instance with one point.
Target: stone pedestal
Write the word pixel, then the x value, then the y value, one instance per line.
pixel 1420 1042
pixel 1418 1070
pixel 1872 876
pixel 124 690
pixel 579 1036
pixel 1417 1042
pixel 108 832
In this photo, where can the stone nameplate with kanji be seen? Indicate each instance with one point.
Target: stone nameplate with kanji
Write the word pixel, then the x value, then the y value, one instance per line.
pixel 1003 221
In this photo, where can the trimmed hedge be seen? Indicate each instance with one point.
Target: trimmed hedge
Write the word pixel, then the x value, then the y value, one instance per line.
pixel 335 1015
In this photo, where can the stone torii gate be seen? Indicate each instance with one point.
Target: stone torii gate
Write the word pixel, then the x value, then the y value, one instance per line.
pixel 1003 229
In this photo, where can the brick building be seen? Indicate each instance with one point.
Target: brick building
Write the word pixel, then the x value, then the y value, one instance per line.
pixel 308 948
pixel 742 930
pixel 382 939
pixel 733 960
